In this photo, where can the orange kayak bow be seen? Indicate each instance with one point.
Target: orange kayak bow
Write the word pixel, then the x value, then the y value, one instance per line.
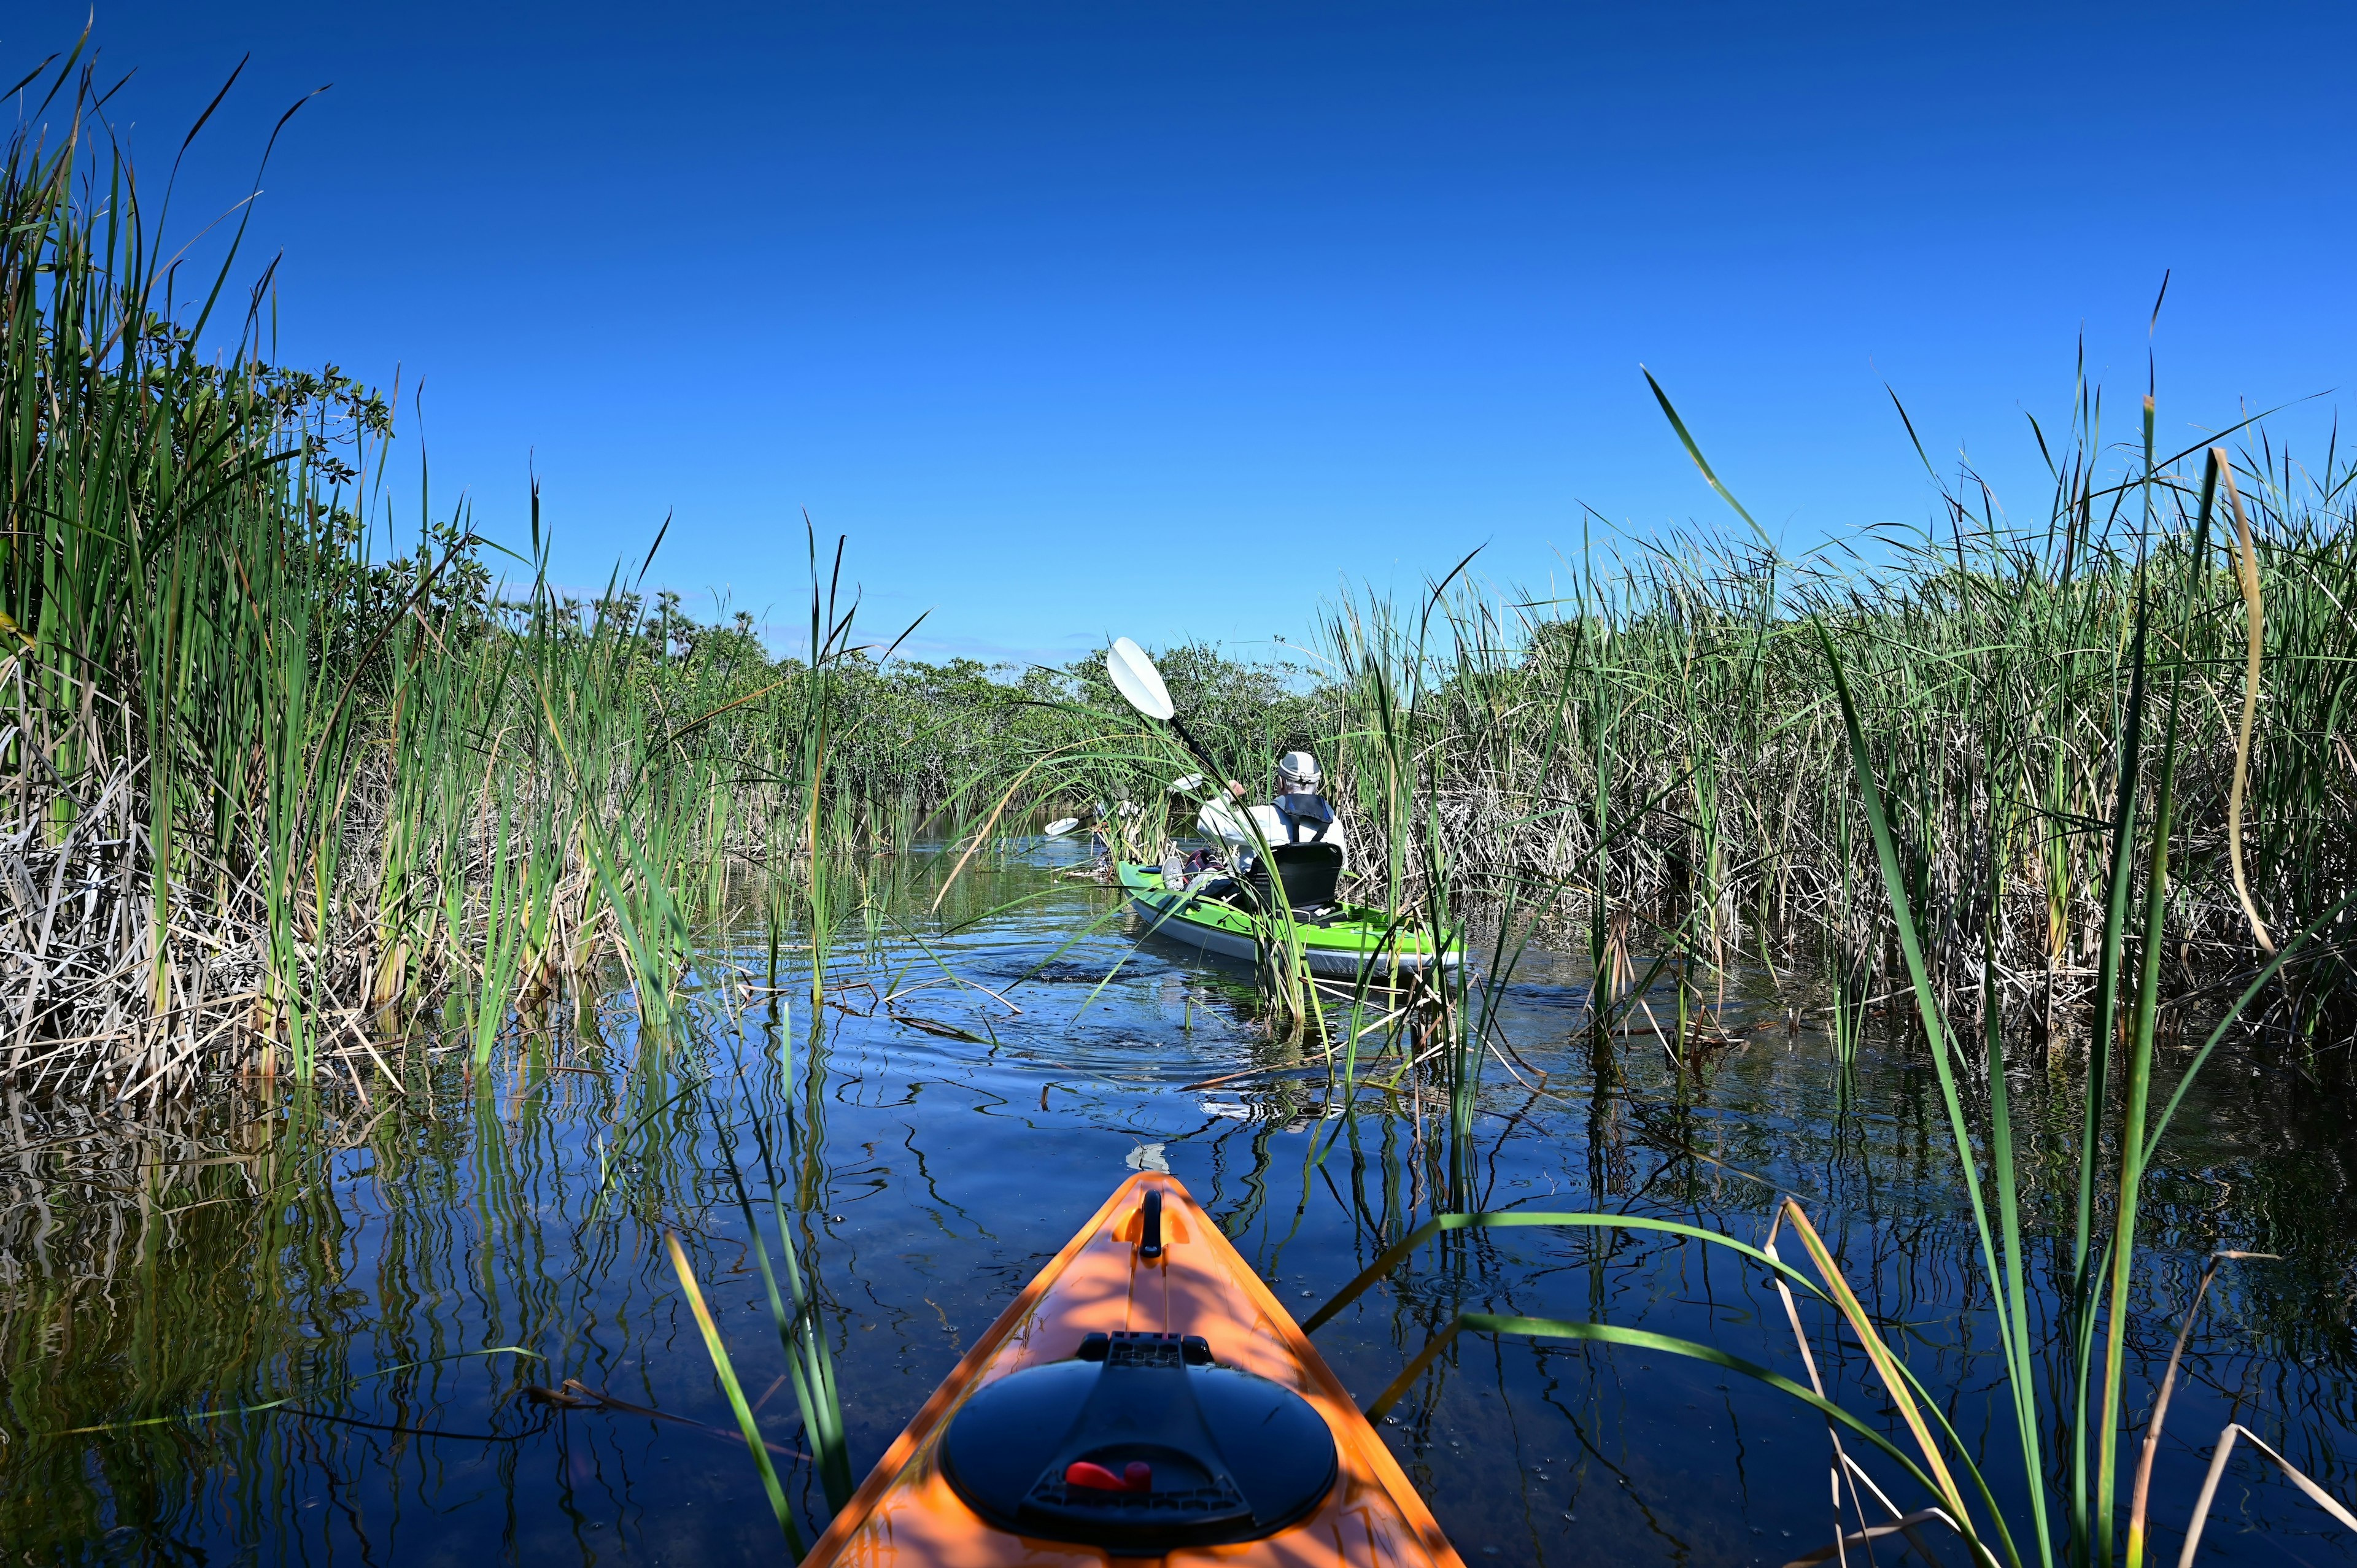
pixel 1145 1397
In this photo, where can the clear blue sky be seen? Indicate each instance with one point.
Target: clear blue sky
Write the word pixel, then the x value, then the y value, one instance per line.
pixel 1167 320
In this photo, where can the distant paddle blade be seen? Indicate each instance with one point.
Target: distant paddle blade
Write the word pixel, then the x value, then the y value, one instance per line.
pixel 1138 681
pixel 1061 826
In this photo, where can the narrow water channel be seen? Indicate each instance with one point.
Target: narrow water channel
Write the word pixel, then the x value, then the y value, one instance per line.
pixel 310 1335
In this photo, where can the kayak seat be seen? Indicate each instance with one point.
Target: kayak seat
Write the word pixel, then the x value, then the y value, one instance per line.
pixel 1311 873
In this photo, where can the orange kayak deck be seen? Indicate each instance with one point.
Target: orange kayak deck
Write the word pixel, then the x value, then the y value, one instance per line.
pixel 906 1515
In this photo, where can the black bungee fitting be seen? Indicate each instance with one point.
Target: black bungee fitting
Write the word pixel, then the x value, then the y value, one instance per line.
pixel 1149 1224
pixel 1139 1444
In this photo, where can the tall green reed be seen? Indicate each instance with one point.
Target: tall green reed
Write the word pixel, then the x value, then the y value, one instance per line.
pixel 313 780
pixel 1952 834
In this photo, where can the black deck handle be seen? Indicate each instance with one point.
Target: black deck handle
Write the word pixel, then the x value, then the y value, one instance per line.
pixel 1149 1229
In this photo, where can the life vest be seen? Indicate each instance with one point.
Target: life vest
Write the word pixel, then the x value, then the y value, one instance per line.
pixel 1289 819
pixel 1304 814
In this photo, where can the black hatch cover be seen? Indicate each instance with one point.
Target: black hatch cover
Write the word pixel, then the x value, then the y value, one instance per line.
pixel 1139 1445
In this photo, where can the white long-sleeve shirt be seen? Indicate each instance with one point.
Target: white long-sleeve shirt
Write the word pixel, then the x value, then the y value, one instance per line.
pixel 1225 820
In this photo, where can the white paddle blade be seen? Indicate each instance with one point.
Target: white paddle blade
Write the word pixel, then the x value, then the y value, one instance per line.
pixel 1060 826
pixel 1138 681
pixel 1192 782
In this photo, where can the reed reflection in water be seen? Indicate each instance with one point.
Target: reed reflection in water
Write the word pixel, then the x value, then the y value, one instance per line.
pixel 312 1328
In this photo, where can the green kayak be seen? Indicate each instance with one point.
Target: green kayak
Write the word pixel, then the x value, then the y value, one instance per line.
pixel 1336 939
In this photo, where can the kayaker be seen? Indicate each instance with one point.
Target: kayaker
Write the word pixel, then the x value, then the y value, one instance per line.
pixel 1299 814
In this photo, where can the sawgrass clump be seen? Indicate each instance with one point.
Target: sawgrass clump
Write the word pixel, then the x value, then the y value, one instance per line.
pixel 2052 759
pixel 288 787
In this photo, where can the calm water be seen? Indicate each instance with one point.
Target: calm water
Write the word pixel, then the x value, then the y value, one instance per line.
pixel 395 1273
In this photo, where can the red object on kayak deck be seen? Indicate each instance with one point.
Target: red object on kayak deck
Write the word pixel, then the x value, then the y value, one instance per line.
pixel 1135 1476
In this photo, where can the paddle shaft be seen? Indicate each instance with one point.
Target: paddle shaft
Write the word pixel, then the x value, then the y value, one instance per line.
pixel 1196 746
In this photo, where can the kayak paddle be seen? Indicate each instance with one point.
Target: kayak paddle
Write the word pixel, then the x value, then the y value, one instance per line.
pixel 1140 685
